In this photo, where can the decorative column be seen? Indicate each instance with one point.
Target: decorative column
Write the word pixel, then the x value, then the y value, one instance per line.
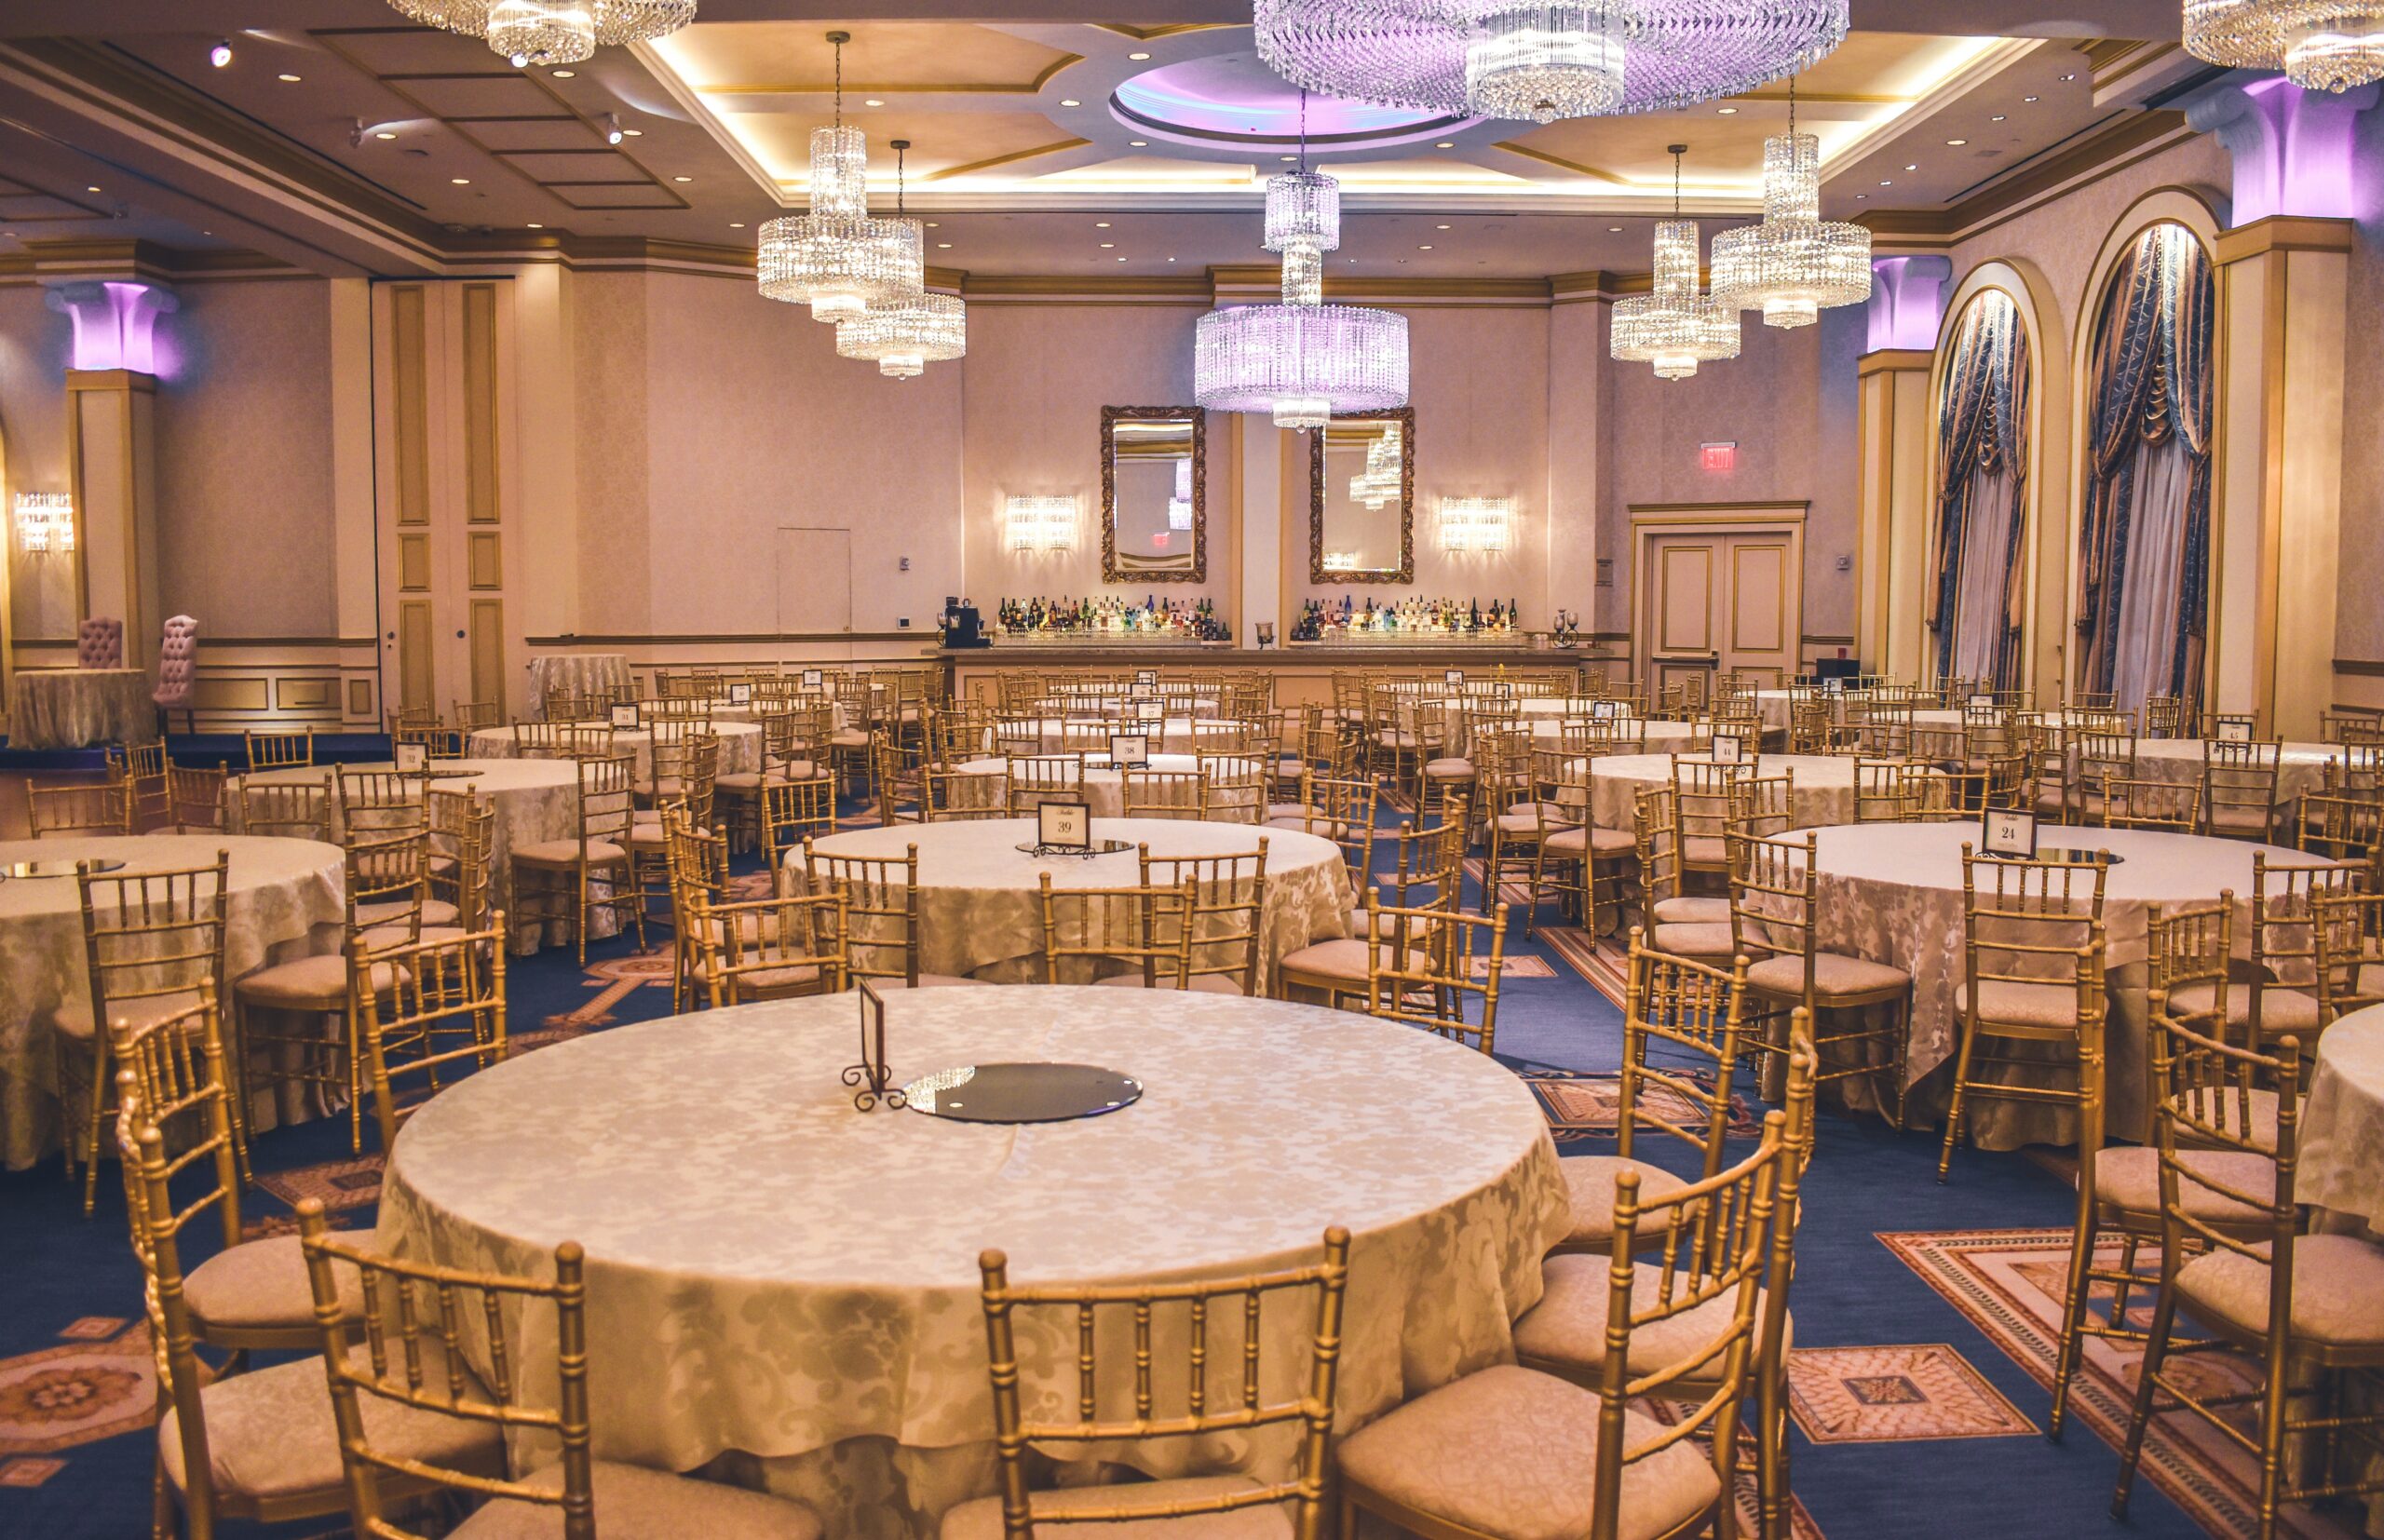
pixel 2284 268
pixel 1891 576
pixel 111 451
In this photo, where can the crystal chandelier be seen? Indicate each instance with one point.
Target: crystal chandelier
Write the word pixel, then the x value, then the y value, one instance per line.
pixel 836 258
pixel 1378 483
pixel 552 31
pixel 910 332
pixel 2319 44
pixel 1795 263
pixel 1303 360
pixel 44 521
pixel 1672 326
pixel 1542 59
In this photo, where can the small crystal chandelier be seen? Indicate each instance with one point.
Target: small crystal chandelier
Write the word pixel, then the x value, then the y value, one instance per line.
pixel 1378 483
pixel 1672 326
pixel 1303 360
pixel 1795 264
pixel 1542 59
pixel 836 258
pixel 908 331
pixel 2319 44
pixel 44 521
pixel 552 31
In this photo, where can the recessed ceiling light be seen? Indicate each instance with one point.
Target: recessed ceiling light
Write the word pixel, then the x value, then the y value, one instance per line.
pixel 934 224
pixel 1423 249
pixel 1614 229
pixel 291 79
pixel 1912 168
pixel 90 189
pixel 221 55
pixel 1170 259
pixel 737 224
pixel 1108 244
pixel 1885 182
pixel 538 227
pixel 1727 111
pixel 1121 259
pixel 2071 75
pixel 461 181
pixel 683 179
pixel 1138 56
pixel 1445 144
pixel 943 246
pixel 1100 224
pixel 872 102
pixel 385 134
pixel 1139 143
pixel 1287 158
pixel 1958 143
pixel 634 133
pixel 1860 196
pixel 1070 101
pixel 2027 98
pixel 1439 226
pixel 566 74
pixel 1997 118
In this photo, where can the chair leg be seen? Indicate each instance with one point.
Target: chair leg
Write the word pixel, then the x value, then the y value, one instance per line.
pixel 2073 1316
pixel 96 1095
pixel 1954 1113
pixel 2156 1350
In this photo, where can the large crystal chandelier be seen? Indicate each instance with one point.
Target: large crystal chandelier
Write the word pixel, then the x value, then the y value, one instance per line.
pixel 552 31
pixel 836 258
pixel 906 333
pixel 1303 360
pixel 1542 59
pixel 1672 326
pixel 1796 263
pixel 2319 44
pixel 1378 483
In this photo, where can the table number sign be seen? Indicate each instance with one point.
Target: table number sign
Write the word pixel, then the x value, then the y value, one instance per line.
pixel 1834 686
pixel 1982 701
pixel 811 679
pixel 740 693
pixel 1730 749
pixel 1146 676
pixel 1141 689
pixel 413 756
pixel 871 1074
pixel 2009 833
pixel 1601 710
pixel 1130 750
pixel 2234 730
pixel 1064 826
pixel 626 717
pixel 1150 711
pixel 1454 676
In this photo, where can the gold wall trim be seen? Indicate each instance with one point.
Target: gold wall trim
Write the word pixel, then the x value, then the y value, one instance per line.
pixel 1727 513
pixel 581 643
pixel 2131 137
pixel 1894 360
pixel 1055 147
pixel 2283 233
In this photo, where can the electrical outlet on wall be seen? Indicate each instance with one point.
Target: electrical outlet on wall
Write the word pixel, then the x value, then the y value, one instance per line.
pixel 902 623
pixel 905 565
pixel 1846 564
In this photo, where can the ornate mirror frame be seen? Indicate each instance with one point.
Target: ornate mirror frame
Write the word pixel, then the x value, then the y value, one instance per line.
pixel 1199 571
pixel 1317 572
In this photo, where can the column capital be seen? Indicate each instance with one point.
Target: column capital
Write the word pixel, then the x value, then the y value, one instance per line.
pixel 1907 300
pixel 2292 150
pixel 114 321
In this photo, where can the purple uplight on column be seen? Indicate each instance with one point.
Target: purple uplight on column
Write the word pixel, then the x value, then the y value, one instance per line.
pixel 2292 149
pixel 116 323
pixel 1907 298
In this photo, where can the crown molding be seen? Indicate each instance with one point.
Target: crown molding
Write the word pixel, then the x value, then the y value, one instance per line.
pixel 2130 137
pixel 138 260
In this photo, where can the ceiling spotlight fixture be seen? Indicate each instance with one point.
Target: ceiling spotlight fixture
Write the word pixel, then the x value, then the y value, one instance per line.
pixel 634 133
pixel 1138 58
pixel 683 179
pixel 566 74
pixel 1070 101
pixel 1958 143
pixel 836 258
pixel 537 226
pixel 1444 145
pixel 1542 59
pixel 2027 98
pixel 1997 118
pixel 612 130
pixel 1795 264
pixel 292 79
pixel 872 102
pixel 1730 112
pixel 1302 360
pixel 551 31
pixel 1912 168
pixel 221 55
pixel 1140 144
pixel 1674 326
pixel 384 133
pixel 461 181
pixel 915 328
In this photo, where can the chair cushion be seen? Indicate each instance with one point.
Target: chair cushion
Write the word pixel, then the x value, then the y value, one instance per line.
pixel 1704 939
pixel 1704 849
pixel 2283 1012
pixel 2020 1003
pixel 566 853
pixel 1567 1330
pixel 1834 973
pixel 1343 959
pixel 1452 768
pixel 2201 999
pixel 262 1283
pixel 1692 912
pixel 981 1520
pixel 848 737
pixel 2235 816
pixel 794 976
pixel 74 1015
pixel 309 980
pixel 2129 1179
pixel 1202 983
pixel 2337 1290
pixel 435 911
pixel 1511 1452
pixel 395 936
pixel 1604 844
pixel 632 1502
pixel 1589 1180
pixel 270 1434
pixel 1327 829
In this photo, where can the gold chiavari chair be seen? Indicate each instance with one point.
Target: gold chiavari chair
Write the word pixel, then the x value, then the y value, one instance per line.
pixel 1439 1464
pixel 1703 795
pixel 141 768
pixel 1891 790
pixel 1393 745
pixel 1811 730
pixel 1035 779
pixel 1196 1310
pixel 2165 717
pixel 2033 964
pixel 564 704
pixel 1590 863
pixel 472 714
pixel 1227 918
pixel 1324 753
pixel 1761 806
pixel 445 1008
pixel 2239 789
pixel 2189 961
pixel 769 948
pixel 1775 926
pixel 195 799
pixel 1591 736
pixel 1423 964
pixel 1879 728
pixel 698 864
pixel 377 803
pixel 1235 786
pixel 436 742
pixel 1343 812
pixel 290 810
pixel 2355 769
pixel 2102 759
pixel 1677 924
pixel 1427 867
pixel 2280 997
pixel 280 750
pixel 792 813
pixel 881 895
pixel 575 879
pixel 1165 793
pixel 68 811
pixel 153 944
pixel 2302 1308
pixel 463 854
pixel 2350 928
pixel 1139 934
pixel 425 1322
pixel 957 796
pixel 2171 805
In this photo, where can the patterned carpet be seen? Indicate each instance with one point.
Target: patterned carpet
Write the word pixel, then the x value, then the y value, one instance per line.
pixel 1921 1312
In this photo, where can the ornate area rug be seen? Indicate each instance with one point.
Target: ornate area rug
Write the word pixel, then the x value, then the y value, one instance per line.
pixel 2009 1284
pixel 1583 1106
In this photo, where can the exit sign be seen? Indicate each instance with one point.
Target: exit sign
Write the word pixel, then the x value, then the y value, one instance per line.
pixel 1720 459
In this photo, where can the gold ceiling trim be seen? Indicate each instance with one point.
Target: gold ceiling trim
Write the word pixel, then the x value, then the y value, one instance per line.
pixel 1032 88
pixel 1056 148
pixel 1171 29
pixel 1593 173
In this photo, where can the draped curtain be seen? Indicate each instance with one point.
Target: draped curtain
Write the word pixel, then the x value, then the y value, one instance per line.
pixel 2144 545
pixel 1974 613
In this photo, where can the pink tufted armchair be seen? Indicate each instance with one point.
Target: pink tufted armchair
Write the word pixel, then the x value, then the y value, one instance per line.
pixel 177 669
pixel 99 644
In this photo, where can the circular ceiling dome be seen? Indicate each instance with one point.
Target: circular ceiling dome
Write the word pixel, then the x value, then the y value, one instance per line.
pixel 1232 101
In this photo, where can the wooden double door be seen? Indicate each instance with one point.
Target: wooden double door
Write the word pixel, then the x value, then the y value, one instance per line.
pixel 1717 591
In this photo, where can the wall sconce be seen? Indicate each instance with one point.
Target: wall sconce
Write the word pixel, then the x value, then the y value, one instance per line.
pixel 1042 523
pixel 1477 523
pixel 44 521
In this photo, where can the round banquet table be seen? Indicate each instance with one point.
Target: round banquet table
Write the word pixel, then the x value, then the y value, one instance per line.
pixel 284 900
pixel 980 906
pixel 581 674
pixel 1177 734
pixel 1820 786
pixel 2301 767
pixel 1893 892
pixel 2343 1123
pixel 534 800
pixel 740 745
pixel 774 1274
pixel 1672 736
pixel 1104 790
pixel 75 708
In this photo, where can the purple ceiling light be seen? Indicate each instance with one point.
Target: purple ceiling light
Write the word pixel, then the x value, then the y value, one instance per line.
pixel 2295 151
pixel 115 324
pixel 1234 100
pixel 1906 300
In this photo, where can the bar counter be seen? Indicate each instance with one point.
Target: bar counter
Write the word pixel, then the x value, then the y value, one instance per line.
pixel 1303 671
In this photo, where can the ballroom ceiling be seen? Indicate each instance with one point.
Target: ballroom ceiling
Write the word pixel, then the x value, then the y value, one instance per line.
pixel 1043 144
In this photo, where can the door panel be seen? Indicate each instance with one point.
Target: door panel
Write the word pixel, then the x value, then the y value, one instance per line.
pixel 1685 624
pixel 1720 596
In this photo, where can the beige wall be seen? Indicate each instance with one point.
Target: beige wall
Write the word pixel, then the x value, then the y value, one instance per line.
pixel 33 345
pixel 2359 617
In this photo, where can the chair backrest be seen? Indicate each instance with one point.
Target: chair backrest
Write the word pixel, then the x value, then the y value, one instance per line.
pixel 793 811
pixel 1227 913
pixel 1684 1087
pixel 195 797
pixel 69 810
pixel 1236 786
pixel 470 714
pixel 279 749
pixel 2033 923
pixel 421 1324
pixel 1423 964
pixel 1343 812
pixel 1890 791
pixel 444 1003
pixel 1088 930
pixel 1656 827
pixel 388 881
pixel 177 662
pixel 1428 871
pixel 178 1066
pixel 152 935
pixel 2126 803
pixel 766 947
pixel 2350 928
pixel 2285 943
pixel 99 643
pixel 1221 1324
pixel 1038 778
pixel 1764 805
pixel 1165 793
pixel 290 810
pixel 2239 784
pixel 881 904
pixel 1773 898
pixel 606 790
pixel 373 802
pixel 2189 945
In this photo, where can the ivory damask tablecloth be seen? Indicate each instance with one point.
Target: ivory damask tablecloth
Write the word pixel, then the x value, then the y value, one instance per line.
pixel 1174 735
pixel 2342 1122
pixel 74 708
pixel 1104 790
pixel 534 800
pixel 2301 767
pixel 740 745
pixel 980 906
pixel 1820 786
pixel 786 1290
pixel 284 900
pixel 578 673
pixel 1662 736
pixel 1893 893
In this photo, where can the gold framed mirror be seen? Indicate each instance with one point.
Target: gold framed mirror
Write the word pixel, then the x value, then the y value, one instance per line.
pixel 1362 498
pixel 1154 495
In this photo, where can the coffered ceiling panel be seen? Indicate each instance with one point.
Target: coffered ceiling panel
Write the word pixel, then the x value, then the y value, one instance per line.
pixel 940 142
pixel 899 56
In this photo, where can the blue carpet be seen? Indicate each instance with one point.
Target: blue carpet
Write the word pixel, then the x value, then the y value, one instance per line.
pixel 63 1269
